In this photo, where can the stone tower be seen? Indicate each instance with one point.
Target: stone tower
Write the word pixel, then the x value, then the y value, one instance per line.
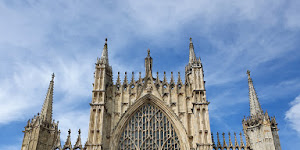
pixel 101 105
pixel 261 131
pixel 41 132
pixel 149 112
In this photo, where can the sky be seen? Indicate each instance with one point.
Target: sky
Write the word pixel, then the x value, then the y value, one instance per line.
pixel 66 37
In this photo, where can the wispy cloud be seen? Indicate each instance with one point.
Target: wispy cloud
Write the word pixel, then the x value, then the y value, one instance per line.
pixel 66 37
pixel 293 114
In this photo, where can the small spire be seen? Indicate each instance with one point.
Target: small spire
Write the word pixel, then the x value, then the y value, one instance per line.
pixel 165 78
pixel 118 78
pixel 157 81
pixel 78 141
pixel 213 141
pixel 132 79
pixel 125 79
pixel 172 79
pixel 224 140
pixel 267 116
pixel 179 79
pixel 255 107
pixel 68 141
pixel 192 56
pixel 230 142
pixel 218 143
pixel 46 112
pixel 241 138
pixel 57 141
pixel 236 144
pixel 104 56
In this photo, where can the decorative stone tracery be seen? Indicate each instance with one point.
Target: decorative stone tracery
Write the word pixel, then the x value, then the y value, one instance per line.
pixel 149 128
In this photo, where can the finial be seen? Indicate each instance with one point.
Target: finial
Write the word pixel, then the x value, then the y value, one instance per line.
pixel 190 39
pixel 165 78
pixel 132 78
pixel 248 72
pixel 125 79
pixel 105 40
pixel 69 132
pixel 79 131
pixel 148 50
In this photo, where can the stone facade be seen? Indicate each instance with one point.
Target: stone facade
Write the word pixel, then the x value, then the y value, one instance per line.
pixel 151 113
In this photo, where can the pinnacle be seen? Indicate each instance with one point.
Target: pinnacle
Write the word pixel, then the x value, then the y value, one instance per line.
pixel 104 56
pixel 255 107
pixel 192 56
pixel 46 112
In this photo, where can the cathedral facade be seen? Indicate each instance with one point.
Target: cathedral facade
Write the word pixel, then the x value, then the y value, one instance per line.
pixel 152 114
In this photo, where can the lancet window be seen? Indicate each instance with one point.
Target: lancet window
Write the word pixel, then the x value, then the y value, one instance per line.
pixel 149 128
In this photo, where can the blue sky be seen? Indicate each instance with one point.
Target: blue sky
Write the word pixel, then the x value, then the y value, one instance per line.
pixel 66 37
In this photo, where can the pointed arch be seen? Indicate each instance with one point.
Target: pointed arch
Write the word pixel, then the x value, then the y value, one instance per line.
pixel 150 99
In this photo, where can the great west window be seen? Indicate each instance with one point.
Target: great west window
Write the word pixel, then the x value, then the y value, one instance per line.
pixel 149 128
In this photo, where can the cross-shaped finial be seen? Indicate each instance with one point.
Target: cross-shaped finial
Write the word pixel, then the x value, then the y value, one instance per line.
pixel 105 40
pixel 69 131
pixel 79 131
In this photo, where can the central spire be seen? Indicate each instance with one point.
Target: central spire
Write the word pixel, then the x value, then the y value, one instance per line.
pixel 46 112
pixel 148 64
pixel 192 57
pixel 255 107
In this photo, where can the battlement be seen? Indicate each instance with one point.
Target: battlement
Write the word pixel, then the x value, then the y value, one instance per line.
pixel 38 120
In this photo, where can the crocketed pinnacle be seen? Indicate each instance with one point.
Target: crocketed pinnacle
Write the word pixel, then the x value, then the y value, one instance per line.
pixel 78 141
pixel 46 112
pixel 104 56
pixel 68 141
pixel 192 56
pixel 255 107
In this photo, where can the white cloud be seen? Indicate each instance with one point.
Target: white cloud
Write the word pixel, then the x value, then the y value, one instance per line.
pixel 25 91
pixel 74 120
pixel 42 37
pixel 293 114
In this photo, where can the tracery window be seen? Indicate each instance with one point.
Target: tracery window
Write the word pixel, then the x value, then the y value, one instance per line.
pixel 149 129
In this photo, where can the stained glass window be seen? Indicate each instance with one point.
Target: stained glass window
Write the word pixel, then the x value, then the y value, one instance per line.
pixel 149 129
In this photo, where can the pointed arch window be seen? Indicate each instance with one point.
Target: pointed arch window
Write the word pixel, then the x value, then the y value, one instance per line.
pixel 149 128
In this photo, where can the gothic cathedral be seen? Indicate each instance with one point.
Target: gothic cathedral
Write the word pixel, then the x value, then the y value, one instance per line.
pixel 152 114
